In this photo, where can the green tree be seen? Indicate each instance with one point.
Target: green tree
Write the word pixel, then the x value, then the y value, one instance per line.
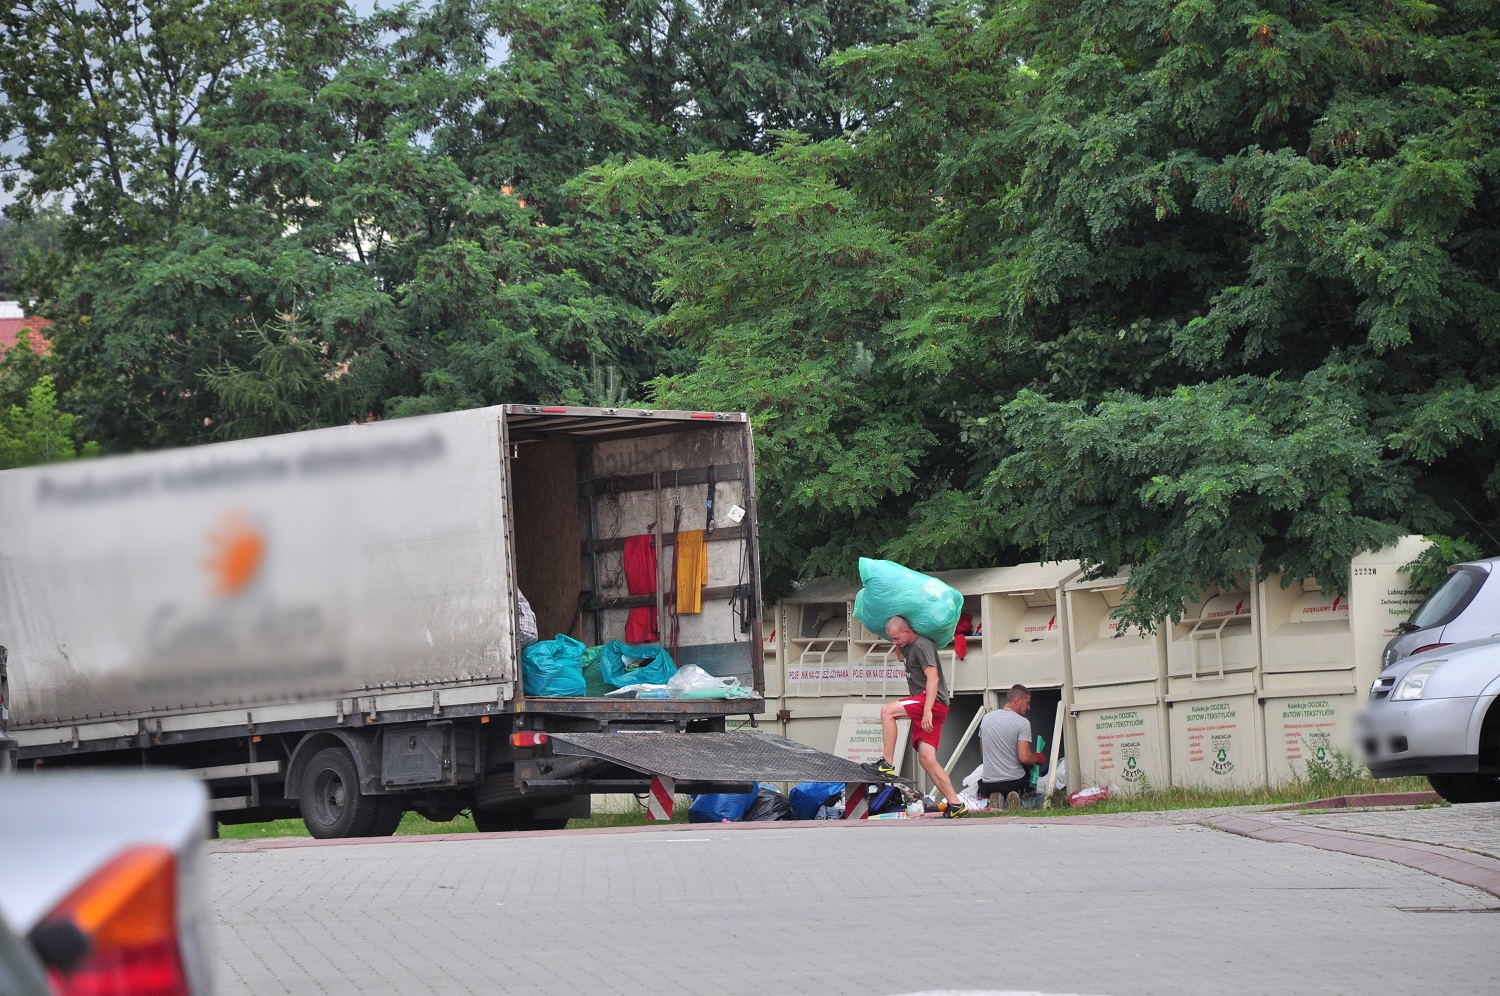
pixel 28 249
pixel 1199 286
pixel 38 432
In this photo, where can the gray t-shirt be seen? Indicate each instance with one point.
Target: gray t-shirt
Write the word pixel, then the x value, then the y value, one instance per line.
pixel 999 732
pixel 920 654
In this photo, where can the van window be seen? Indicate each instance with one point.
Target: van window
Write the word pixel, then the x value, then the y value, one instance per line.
pixel 1449 598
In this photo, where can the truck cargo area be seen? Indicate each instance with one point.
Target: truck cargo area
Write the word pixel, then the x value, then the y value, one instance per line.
pixel 594 488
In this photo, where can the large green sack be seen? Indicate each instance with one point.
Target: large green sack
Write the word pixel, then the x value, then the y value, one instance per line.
pixel 930 606
pixel 622 664
pixel 554 668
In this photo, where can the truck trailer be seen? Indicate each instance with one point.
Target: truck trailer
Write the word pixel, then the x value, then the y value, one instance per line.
pixel 325 622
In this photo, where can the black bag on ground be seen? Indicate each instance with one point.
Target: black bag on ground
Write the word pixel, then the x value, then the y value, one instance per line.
pixel 769 805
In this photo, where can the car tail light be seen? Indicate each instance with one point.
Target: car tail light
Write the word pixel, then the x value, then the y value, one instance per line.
pixel 128 912
pixel 1430 646
pixel 528 739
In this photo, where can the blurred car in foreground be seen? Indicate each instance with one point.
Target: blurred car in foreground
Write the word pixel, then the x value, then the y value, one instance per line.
pixel 100 884
pixel 1464 606
pixel 1435 714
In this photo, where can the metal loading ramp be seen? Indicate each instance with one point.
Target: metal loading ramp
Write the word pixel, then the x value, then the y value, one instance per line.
pixel 712 758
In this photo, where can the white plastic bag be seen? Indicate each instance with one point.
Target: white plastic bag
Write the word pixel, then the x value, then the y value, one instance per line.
pixel 691 677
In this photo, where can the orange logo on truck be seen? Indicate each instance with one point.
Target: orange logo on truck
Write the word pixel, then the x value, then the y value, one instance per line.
pixel 238 548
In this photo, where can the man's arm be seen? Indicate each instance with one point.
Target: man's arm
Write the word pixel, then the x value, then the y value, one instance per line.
pixel 1028 756
pixel 930 697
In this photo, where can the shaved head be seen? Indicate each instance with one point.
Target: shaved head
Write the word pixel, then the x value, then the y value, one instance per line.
pixel 899 631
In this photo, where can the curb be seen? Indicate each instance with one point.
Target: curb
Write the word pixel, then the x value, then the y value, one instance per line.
pixel 1364 801
pixel 232 846
pixel 1456 866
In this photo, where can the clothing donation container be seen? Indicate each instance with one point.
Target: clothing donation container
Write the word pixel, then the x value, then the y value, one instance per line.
pixel 876 668
pixel 970 673
pixel 817 642
pixel 1116 690
pixel 1320 652
pixel 1213 683
pixel 1025 625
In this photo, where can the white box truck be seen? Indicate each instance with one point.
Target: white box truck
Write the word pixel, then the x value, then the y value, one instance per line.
pixel 325 622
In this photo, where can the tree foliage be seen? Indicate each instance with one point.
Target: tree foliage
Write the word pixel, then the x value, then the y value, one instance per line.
pixel 1185 286
pixel 37 432
pixel 1201 286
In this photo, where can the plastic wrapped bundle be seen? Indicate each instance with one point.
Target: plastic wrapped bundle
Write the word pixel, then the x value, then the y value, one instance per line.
pixel 930 606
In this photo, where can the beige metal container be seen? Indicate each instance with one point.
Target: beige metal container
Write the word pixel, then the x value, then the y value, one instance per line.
pixel 1311 730
pixel 817 639
pixel 972 673
pixel 1382 597
pixel 815 721
pixel 773 630
pixel 1218 634
pixel 1214 737
pixel 1025 625
pixel 1101 651
pixel 1123 742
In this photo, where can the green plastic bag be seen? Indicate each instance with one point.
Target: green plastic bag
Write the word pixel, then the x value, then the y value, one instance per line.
pixel 593 679
pixel 930 606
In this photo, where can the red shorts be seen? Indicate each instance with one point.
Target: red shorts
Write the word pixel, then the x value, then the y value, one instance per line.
pixel 914 707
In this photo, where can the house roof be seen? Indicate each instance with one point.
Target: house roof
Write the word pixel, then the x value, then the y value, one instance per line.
pixel 11 330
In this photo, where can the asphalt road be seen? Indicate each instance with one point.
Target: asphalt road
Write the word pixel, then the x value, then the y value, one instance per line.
pixel 896 907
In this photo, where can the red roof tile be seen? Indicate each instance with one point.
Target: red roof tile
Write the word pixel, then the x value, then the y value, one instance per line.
pixel 10 331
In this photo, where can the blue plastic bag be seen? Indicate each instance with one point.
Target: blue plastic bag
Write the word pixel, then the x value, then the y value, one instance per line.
pixel 717 807
pixel 809 797
pixel 930 606
pixel 554 668
pixel 615 665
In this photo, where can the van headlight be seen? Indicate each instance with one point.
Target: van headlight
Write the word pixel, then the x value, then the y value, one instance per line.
pixel 1414 682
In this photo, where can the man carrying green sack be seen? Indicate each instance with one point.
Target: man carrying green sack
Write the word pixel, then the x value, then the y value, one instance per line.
pixel 927 707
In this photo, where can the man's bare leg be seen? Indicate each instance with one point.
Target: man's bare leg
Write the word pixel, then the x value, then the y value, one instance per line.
pixel 927 756
pixel 889 714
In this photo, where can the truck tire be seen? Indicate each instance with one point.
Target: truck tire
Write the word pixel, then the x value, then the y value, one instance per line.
pixel 332 805
pixel 507 820
pixel 1459 789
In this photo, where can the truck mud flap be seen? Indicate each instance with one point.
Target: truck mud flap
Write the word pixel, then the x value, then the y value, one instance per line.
pixel 712 761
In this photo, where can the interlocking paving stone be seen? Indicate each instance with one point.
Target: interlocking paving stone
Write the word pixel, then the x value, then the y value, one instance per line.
pixel 996 904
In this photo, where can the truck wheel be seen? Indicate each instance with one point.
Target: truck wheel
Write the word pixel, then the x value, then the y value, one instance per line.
pixel 506 820
pixel 332 805
pixel 1459 789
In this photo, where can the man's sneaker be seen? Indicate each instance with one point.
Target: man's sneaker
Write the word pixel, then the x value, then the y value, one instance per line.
pixel 882 768
pixel 1012 801
pixel 955 810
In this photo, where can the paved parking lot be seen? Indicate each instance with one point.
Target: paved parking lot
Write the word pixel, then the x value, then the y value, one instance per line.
pixel 1470 828
pixel 900 907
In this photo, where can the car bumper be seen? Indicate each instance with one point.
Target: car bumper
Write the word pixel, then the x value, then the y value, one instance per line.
pixel 1420 737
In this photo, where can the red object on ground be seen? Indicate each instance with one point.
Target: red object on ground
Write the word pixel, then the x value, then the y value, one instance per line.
pixel 640 579
pixel 913 707
pixel 1089 796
